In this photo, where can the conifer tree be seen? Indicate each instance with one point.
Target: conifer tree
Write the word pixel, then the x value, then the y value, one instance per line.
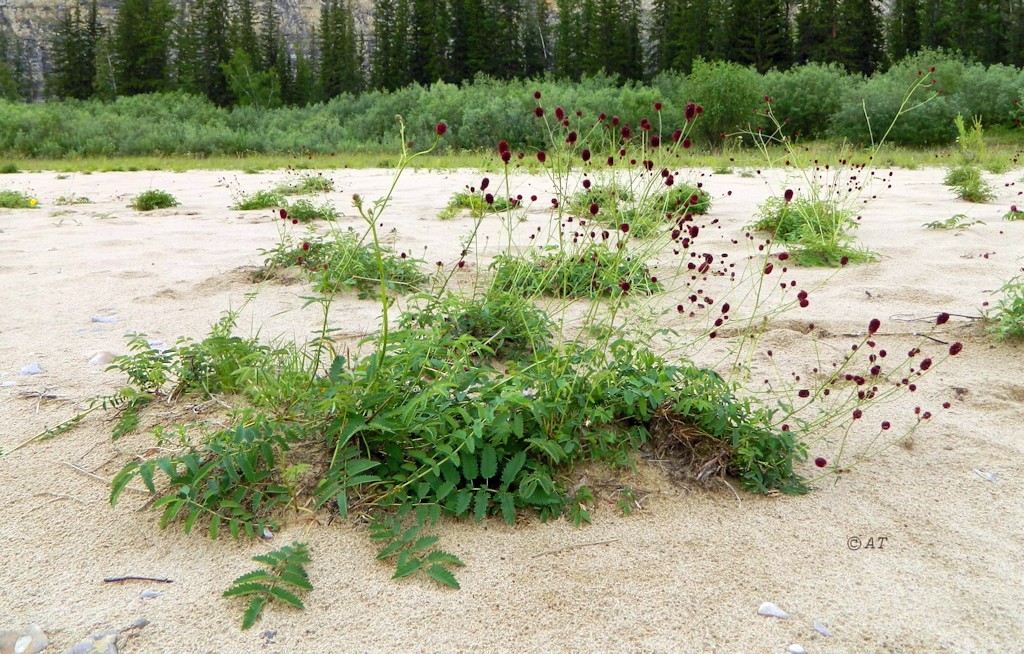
pixel 243 31
pixel 904 35
pixel 472 39
pixel 758 34
pixel 428 40
pixel 535 35
pixel 340 69
pixel 141 45
pixel 860 36
pixel 389 56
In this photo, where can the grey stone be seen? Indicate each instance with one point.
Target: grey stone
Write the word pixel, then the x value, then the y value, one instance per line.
pixel 822 629
pixel 31 369
pixel 104 319
pixel 770 610
pixel 150 594
pixel 29 640
pixel 796 649
pixel 104 642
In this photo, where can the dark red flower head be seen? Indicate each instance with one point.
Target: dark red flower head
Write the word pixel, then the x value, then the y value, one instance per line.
pixel 559 113
pixel 539 112
pixel 655 140
pixel 788 195
pixel 536 95
pixel 687 143
pixel 657 106
pixel 503 146
pixel 542 156
pixel 626 133
pixel 585 155
pixel 594 209
pixel 691 112
pixel 874 325
pixel 942 319
pixel 955 348
pixel 441 128
pixel 284 214
pixel 484 183
pixel 820 462
pixel 506 156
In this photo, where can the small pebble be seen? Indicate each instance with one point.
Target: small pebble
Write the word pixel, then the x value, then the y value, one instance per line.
pixel 150 594
pixel 29 640
pixel 104 642
pixel 770 610
pixel 822 629
pixel 267 534
pixel 102 358
pixel 104 319
pixel 31 369
pixel 987 476
pixel 8 384
pixel 796 649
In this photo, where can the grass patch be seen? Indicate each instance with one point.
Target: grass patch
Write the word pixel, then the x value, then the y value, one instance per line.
pixel 595 270
pixel 478 204
pixel 66 200
pixel 1013 214
pixel 16 200
pixel 818 231
pixel 341 261
pixel 306 185
pixel 959 221
pixel 260 200
pixel 153 199
pixel 306 211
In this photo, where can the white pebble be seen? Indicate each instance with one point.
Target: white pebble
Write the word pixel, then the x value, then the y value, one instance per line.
pixel 822 629
pixel 104 319
pixel 770 610
pixel 31 369
pixel 102 358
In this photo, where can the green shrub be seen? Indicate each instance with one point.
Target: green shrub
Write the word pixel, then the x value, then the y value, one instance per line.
pixel 153 199
pixel 989 93
pixel 807 97
pixel 730 94
pixel 476 203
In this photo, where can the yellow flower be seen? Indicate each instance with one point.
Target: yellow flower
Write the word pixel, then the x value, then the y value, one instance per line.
pixel 32 202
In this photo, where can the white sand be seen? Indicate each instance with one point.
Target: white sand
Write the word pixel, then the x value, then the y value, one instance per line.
pixel 684 574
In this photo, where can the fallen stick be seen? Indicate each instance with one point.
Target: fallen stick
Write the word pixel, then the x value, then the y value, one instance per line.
pixel 111 580
pixel 575 547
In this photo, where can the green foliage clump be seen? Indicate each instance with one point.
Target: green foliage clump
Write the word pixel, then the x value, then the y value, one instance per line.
pixel 820 231
pixel 966 178
pixel 506 324
pixel 65 200
pixel 16 200
pixel 729 92
pixel 1014 214
pixel 153 199
pixel 260 200
pixel 596 270
pixel 959 221
pixel 306 211
pixel 306 185
pixel 1006 318
pixel 807 97
pixel 342 260
pixel 477 205
pixel 647 213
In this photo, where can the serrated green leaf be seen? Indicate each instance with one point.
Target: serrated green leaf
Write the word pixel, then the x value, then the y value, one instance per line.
pixel 287 597
pixel 146 472
pixel 423 543
pixel 255 575
pixel 481 500
pixel 440 556
pixel 462 501
pixel 171 511
pixel 407 567
pixel 215 527
pixel 443 576
pixel 252 613
pixel 508 507
pixel 512 468
pixel 238 590
pixel 488 462
pixel 390 549
pixel 295 579
pixel 190 521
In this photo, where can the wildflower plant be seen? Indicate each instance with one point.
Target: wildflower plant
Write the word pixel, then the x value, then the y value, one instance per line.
pixel 965 178
pixel 480 395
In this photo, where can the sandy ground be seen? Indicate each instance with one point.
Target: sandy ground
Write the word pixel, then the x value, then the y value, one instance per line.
pixel 686 573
